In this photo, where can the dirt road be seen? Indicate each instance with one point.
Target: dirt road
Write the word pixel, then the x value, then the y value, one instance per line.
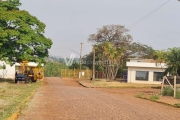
pixel 64 99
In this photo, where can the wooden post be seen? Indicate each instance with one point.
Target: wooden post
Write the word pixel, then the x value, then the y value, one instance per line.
pixel 174 86
pixel 162 85
pixel 93 72
pixel 80 65
pixel 65 72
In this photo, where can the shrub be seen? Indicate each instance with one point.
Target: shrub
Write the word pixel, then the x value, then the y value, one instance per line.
pixel 178 94
pixel 168 91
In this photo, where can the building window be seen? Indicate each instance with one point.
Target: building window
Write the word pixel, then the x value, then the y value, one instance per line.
pixel 158 76
pixel 142 75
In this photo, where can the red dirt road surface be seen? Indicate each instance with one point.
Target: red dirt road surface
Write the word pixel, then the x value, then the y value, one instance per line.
pixel 65 99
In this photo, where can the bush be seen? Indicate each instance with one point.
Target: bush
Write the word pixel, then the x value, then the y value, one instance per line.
pixel 168 91
pixel 178 94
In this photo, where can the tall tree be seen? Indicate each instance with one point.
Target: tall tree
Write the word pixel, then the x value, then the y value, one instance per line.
pixel 118 45
pixel 111 33
pixel 21 34
pixel 110 58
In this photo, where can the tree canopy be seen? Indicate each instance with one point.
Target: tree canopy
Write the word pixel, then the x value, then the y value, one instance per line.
pixel 21 34
pixel 172 59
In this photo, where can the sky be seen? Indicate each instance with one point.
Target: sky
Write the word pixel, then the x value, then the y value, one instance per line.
pixel 70 22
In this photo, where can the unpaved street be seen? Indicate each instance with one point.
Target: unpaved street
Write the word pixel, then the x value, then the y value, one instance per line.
pixel 64 99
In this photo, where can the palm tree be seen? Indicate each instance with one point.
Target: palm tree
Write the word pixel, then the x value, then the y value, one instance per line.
pixel 173 62
pixel 160 56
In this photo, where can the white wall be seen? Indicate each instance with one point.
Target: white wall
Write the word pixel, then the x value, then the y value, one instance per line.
pixel 9 72
pixel 132 74
pixel 147 65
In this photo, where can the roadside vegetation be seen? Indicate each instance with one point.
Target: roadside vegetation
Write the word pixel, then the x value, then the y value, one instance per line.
pixel 149 96
pixel 21 35
pixel 21 38
pixel 13 97
pixel 168 91
pixel 117 84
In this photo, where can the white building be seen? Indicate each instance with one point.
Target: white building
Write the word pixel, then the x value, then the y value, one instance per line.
pixel 145 71
pixel 9 72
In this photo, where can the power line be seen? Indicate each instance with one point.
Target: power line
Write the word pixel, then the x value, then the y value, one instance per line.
pixel 147 15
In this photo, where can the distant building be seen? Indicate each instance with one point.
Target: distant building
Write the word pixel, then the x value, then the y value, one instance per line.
pixel 145 71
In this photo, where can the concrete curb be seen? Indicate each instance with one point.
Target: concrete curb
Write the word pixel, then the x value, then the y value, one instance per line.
pixel 16 114
pixel 159 102
pixel 85 85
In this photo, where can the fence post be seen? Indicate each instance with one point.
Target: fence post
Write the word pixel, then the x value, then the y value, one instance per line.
pixel 162 85
pixel 174 86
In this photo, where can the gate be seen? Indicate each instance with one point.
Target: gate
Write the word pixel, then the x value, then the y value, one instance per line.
pixel 74 73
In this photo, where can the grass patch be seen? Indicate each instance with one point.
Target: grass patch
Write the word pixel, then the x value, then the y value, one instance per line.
pixel 149 96
pixel 154 97
pixel 12 96
pixel 115 84
pixel 141 95
pixel 177 105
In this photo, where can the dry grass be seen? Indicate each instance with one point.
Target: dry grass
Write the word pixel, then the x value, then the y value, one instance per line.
pixel 12 96
pixel 117 84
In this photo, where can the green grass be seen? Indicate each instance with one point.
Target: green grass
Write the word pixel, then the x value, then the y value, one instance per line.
pixel 154 97
pixel 177 105
pixel 12 96
pixel 141 95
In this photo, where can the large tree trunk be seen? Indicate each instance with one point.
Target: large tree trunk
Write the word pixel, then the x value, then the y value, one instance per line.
pixel 111 72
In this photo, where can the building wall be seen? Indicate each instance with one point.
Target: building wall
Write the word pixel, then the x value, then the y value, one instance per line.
pixel 144 65
pixel 9 72
pixel 132 75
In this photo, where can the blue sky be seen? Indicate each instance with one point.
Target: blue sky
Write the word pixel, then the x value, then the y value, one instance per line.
pixel 70 22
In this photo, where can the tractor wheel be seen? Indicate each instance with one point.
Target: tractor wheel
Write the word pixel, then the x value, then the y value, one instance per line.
pixel 33 80
pixel 16 81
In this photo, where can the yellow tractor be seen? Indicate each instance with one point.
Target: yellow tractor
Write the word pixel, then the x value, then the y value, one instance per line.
pixel 29 73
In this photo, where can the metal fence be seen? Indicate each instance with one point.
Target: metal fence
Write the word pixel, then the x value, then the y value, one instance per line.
pixel 74 73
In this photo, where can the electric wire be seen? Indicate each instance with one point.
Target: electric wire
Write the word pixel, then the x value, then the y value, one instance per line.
pixel 148 15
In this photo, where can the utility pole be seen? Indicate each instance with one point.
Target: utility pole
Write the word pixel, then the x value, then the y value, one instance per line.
pixel 80 60
pixel 93 72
